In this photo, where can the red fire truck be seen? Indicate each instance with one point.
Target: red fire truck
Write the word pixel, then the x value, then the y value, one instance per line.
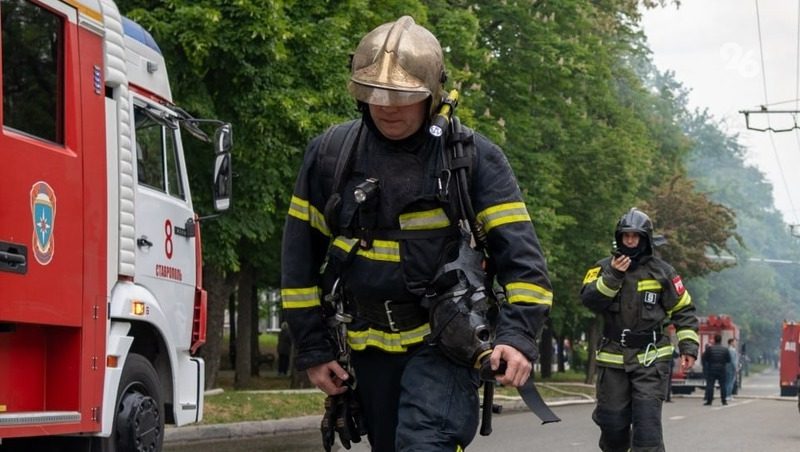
pixel 686 382
pixel 790 358
pixel 101 300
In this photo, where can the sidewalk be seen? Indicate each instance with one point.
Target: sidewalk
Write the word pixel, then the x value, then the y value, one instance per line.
pixel 239 430
pixel 757 386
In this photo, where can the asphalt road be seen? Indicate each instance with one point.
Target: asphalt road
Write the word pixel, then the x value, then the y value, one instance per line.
pixel 756 420
pixel 744 425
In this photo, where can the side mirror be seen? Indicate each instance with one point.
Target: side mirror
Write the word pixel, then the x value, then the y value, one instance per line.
pixel 223 181
pixel 222 184
pixel 223 139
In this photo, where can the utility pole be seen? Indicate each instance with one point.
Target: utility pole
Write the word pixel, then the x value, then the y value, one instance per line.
pixel 766 111
pixel 794 229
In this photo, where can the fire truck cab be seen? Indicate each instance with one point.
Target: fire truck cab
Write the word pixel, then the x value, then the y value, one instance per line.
pixel 101 299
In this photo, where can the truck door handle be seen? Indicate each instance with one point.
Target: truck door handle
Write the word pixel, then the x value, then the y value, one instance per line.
pixel 142 241
pixel 13 258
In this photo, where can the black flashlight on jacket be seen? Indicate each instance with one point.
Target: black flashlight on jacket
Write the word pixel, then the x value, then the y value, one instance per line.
pixel 366 191
pixel 442 117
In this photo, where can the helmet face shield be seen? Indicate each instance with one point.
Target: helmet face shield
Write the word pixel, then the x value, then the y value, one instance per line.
pixel 385 97
pixel 397 64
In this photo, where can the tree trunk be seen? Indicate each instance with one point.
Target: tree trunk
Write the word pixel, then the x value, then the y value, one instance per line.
pixel 561 354
pixel 546 351
pixel 244 329
pixel 255 353
pixel 232 316
pixel 593 339
pixel 219 290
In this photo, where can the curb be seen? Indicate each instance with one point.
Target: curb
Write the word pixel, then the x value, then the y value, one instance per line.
pixel 250 429
pixel 239 430
pixel 741 397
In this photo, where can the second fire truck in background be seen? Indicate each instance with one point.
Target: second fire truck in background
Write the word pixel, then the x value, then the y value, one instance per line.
pixel 686 382
pixel 790 358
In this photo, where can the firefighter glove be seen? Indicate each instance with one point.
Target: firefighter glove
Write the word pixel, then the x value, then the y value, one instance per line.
pixel 342 416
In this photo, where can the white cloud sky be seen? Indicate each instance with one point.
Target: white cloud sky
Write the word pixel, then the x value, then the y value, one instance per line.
pixel 714 49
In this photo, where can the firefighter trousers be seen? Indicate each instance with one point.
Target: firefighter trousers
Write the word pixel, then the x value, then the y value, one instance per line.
pixel 628 408
pixel 418 401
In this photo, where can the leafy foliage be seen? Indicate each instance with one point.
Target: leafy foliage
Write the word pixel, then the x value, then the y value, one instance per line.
pixel 675 201
pixel 566 88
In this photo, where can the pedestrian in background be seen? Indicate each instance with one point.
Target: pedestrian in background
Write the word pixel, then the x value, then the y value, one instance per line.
pixel 675 356
pixel 732 368
pixel 715 362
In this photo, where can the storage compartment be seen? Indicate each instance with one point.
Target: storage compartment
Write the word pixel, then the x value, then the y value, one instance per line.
pixel 39 368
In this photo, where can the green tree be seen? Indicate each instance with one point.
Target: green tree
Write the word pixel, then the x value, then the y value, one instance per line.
pixel 275 70
pixel 556 84
pixel 693 225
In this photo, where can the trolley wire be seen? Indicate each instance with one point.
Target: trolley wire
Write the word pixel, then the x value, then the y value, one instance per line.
pixel 766 102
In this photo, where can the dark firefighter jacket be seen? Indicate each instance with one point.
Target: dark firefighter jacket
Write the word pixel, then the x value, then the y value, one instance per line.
pixel 399 270
pixel 637 303
pixel 715 358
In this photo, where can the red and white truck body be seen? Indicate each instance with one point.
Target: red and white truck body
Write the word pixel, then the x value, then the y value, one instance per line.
pixel 790 358
pixel 101 298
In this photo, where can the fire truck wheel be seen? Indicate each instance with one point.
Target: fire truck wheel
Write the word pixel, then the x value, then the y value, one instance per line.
pixel 139 422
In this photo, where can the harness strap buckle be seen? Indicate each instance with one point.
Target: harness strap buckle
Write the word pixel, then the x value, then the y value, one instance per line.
pixel 622 335
pixel 388 310
pixel 443 184
pixel 365 243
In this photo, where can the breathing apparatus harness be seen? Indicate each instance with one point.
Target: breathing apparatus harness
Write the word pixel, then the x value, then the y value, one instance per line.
pixel 461 309
pixel 462 304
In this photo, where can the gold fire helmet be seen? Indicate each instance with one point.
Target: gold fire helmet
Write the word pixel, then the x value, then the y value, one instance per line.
pixel 396 64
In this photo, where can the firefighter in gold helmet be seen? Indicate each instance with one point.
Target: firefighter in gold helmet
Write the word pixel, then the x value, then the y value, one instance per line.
pixel 636 293
pixel 372 219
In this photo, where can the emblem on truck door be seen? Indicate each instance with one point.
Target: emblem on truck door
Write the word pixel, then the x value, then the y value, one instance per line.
pixel 43 213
